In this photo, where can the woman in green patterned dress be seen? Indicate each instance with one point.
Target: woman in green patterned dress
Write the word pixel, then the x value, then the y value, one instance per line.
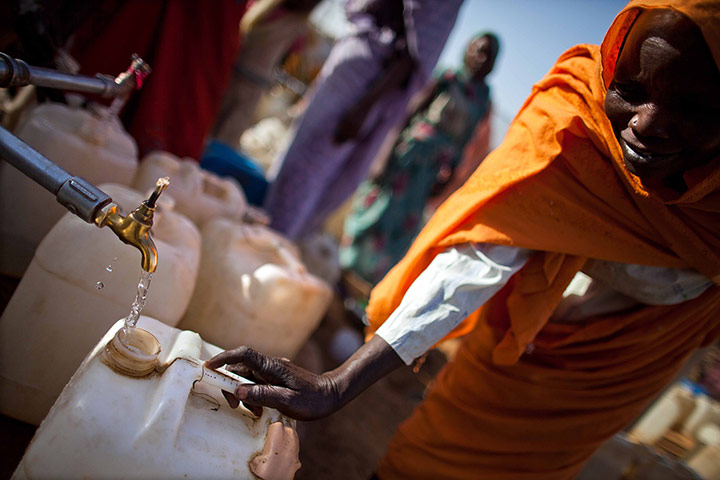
pixel 388 209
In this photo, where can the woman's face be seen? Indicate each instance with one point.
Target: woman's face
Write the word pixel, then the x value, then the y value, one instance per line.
pixel 664 99
pixel 479 57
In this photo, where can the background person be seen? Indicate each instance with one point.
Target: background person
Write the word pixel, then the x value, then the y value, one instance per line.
pixel 268 29
pixel 388 209
pixel 360 94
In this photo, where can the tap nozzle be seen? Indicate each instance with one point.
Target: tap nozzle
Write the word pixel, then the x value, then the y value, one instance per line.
pixel 134 229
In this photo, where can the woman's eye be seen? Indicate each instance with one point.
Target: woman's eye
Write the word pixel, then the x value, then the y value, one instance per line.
pixel 628 90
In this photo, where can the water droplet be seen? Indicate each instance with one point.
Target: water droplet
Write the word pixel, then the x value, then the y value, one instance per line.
pixel 99 285
pixel 109 268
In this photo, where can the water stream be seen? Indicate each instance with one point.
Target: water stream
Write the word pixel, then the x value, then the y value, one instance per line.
pixel 139 303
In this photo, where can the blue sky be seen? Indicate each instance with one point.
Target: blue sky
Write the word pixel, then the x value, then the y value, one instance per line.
pixel 533 33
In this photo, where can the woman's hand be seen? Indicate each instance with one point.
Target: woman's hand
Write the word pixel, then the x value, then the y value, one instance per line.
pixel 282 385
pixel 301 394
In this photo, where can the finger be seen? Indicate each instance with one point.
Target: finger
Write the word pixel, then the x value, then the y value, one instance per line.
pixel 265 395
pixel 246 373
pixel 227 357
pixel 265 368
pixel 285 400
pixel 242 370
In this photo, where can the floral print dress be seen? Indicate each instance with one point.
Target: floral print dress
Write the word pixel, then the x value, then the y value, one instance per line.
pixel 388 210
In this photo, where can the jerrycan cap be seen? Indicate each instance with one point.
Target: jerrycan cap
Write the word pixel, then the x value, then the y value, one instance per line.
pixel 132 351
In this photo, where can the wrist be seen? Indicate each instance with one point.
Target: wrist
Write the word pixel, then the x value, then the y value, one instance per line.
pixel 368 364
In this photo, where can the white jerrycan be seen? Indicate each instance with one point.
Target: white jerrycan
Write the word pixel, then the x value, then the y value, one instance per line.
pixel 57 312
pixel 707 462
pixel 199 194
pixel 89 145
pixel 675 405
pixel 142 405
pixel 253 290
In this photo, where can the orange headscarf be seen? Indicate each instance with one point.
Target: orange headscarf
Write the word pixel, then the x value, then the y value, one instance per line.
pixel 558 185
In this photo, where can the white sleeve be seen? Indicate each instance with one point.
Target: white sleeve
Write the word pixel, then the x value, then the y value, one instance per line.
pixel 456 283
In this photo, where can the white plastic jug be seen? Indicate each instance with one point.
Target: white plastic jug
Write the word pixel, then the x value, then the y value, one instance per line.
pixel 253 290
pixel 57 312
pixel 706 462
pixel 319 252
pixel 89 145
pixel 199 194
pixel 134 413
pixel 672 408
pixel 706 411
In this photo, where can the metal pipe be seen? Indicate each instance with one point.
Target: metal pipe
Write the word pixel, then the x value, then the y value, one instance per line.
pixel 16 73
pixel 75 193
pixel 23 157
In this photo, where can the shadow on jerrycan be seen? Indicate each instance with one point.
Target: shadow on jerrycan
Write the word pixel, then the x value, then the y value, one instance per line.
pixel 90 145
pixel 57 312
pixel 142 405
pixel 253 290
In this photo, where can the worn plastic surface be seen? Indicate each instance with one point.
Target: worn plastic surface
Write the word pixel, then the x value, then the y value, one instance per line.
pixel 166 425
pixel 253 290
pixel 98 150
pixel 57 313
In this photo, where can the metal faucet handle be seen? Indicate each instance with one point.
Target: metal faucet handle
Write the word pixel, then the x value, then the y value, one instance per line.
pixel 137 71
pixel 160 186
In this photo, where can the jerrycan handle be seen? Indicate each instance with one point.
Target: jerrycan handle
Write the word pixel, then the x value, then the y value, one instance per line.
pixel 225 381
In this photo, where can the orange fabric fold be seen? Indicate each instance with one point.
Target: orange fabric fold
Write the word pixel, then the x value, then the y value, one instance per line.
pixel 530 399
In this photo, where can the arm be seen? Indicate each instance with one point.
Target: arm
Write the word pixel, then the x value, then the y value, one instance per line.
pixel 457 282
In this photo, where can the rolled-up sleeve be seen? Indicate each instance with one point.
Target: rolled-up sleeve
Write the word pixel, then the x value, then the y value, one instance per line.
pixel 456 283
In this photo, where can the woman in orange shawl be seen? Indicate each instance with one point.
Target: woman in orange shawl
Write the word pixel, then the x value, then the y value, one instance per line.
pixel 612 164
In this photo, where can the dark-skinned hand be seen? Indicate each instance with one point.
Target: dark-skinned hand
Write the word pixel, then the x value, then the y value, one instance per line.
pixel 282 385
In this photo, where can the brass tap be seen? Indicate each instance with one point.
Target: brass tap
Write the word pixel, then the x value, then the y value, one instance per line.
pixel 134 229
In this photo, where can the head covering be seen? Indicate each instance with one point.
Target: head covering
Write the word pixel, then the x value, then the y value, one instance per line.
pixel 704 13
pixel 558 185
